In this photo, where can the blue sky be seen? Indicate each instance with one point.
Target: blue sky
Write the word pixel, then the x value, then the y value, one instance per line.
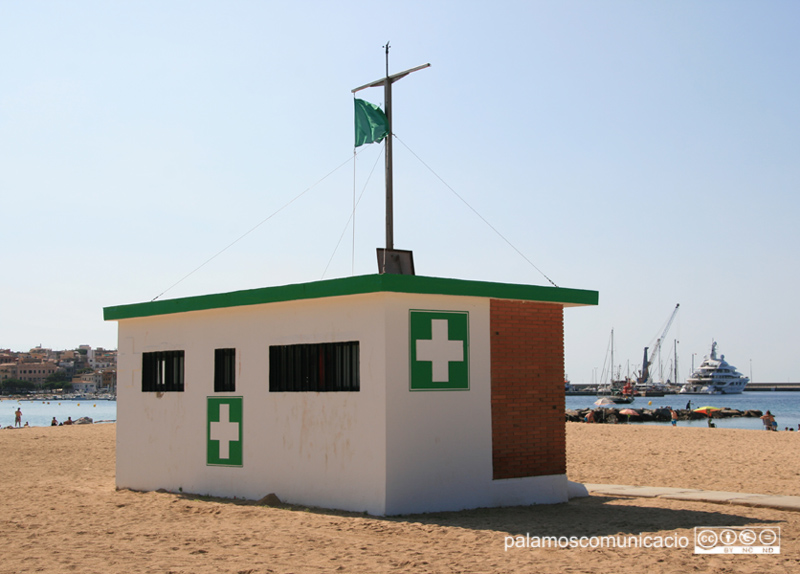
pixel 646 150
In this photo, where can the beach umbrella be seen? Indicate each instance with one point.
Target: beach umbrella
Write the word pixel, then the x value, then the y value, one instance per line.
pixel 708 411
pixel 604 401
pixel 629 412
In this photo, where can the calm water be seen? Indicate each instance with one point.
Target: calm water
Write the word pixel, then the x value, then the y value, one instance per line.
pixel 785 405
pixel 39 413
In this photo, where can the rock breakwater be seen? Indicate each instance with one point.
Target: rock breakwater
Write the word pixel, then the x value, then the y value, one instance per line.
pixel 626 414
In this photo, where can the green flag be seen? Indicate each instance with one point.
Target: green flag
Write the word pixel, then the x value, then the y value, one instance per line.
pixel 371 123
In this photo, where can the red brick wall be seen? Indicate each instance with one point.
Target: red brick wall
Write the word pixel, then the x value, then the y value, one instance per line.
pixel 527 353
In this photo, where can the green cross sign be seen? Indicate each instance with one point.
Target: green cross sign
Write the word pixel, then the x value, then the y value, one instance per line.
pixel 224 431
pixel 439 350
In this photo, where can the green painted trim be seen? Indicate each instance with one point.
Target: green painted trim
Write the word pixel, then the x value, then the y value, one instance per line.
pixel 354 286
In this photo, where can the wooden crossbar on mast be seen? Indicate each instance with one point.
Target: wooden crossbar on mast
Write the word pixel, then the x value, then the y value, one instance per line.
pixel 387 82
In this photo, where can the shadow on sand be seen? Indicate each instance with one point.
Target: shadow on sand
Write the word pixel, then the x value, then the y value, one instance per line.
pixel 591 516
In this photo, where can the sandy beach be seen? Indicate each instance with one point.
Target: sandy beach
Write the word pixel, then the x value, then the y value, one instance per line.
pixel 60 512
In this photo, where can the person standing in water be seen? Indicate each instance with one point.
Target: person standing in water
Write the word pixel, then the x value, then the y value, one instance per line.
pixel 673 416
pixel 18 418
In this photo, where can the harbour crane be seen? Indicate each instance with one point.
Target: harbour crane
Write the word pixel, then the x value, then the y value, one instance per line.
pixel 645 378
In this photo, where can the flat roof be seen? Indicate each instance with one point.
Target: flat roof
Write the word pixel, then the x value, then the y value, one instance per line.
pixel 354 286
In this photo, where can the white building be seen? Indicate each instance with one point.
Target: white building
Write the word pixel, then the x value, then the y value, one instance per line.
pixel 389 394
pixel 84 386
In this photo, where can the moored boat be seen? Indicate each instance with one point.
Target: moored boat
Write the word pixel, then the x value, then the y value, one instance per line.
pixel 715 376
pixel 622 395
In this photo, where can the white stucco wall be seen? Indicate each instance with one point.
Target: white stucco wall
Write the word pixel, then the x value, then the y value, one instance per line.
pixel 384 449
pixel 324 449
pixel 439 443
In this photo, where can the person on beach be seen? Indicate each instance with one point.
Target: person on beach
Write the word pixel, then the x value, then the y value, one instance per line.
pixel 54 422
pixel 673 415
pixel 68 421
pixel 769 422
pixel 589 418
pixel 18 418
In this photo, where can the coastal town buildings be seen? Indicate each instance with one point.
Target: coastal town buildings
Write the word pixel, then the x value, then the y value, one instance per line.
pixel 89 369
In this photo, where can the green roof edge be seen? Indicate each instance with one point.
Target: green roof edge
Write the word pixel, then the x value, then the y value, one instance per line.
pixel 354 286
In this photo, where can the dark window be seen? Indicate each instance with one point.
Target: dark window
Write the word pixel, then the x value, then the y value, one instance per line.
pixel 162 371
pixel 320 367
pixel 224 370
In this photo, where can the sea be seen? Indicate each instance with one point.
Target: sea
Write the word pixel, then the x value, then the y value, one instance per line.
pixel 784 405
pixel 40 413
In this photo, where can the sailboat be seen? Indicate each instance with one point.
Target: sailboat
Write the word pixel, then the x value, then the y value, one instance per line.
pixel 620 391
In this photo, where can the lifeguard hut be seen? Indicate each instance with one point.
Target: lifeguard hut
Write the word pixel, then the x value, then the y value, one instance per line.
pixel 390 393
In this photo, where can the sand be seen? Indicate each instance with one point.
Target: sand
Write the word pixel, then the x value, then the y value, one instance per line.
pixel 60 512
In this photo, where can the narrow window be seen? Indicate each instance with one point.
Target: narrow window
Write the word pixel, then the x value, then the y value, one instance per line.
pixel 224 370
pixel 316 367
pixel 162 371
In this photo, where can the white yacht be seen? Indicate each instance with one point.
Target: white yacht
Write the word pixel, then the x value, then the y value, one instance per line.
pixel 715 376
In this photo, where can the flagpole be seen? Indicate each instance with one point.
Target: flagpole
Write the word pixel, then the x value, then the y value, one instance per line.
pixel 387 82
pixel 387 99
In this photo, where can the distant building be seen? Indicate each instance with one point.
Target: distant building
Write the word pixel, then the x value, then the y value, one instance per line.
pixel 100 359
pixel 83 386
pixel 109 381
pixel 68 366
pixel 8 371
pixel 30 372
pixel 38 354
